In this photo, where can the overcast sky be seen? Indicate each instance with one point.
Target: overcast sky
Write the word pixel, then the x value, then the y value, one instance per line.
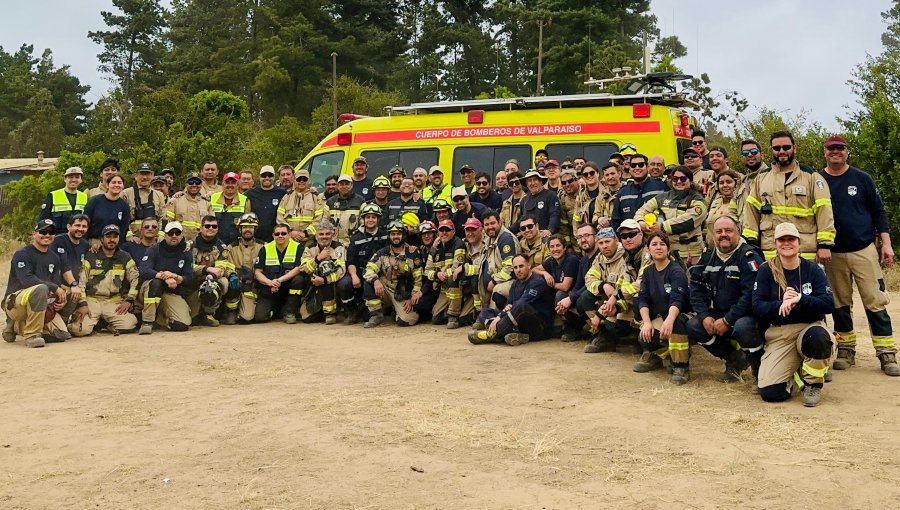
pixel 788 54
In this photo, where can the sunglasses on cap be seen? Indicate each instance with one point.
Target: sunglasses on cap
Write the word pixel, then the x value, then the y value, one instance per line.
pixel 173 233
pixel 749 152
pixel 629 235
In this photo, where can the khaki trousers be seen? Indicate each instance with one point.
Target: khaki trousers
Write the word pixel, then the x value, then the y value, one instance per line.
pixel 388 301
pixel 25 308
pixel 782 356
pixel 174 308
pixel 103 308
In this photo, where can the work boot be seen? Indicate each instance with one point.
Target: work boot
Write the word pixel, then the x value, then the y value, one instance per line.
pixel 452 322
pixel 829 375
pixel 889 363
pixel 57 336
pixel 207 319
pixel 649 362
pixel 846 358
pixel 480 337
pixel 402 323
pixel 600 344
pixel 479 326
pixel 330 320
pixel 35 341
pixel 146 328
pixel 515 339
pixel 754 385
pixel 290 318
pixel 811 395
pixel 352 316
pixel 734 365
pixel 569 336
pixel 9 332
pixel 680 375
pixel 375 319
pixel 230 318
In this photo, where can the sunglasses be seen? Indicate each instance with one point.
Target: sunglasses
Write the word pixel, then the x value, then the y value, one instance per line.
pixel 589 173
pixel 566 183
pixel 459 199
pixel 698 143
pixel 681 178
pixel 267 176
pixel 173 233
pixel 637 165
pixel 279 234
pixel 47 232
pixel 150 227
pixel 628 235
pixel 691 156
pixel 210 225
pixel 750 152
pixel 482 183
pixel 302 179
pixel 836 147
pixel 779 148
pixel 515 183
pixel 527 227
pixel 567 167
pixel 445 229
pixel 194 183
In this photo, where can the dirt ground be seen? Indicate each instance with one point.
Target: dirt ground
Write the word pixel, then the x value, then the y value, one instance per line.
pixel 308 416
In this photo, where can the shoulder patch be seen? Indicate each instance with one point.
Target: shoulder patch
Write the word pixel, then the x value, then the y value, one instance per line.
pixel 820 184
pixel 506 249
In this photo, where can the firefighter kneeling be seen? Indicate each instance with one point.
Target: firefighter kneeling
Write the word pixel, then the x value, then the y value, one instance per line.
pixel 241 297
pixel 278 284
pixel 394 279
pixel 321 266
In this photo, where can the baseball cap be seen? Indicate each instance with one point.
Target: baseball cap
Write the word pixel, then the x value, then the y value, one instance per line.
pixel 606 233
pixel 458 191
pixel 397 170
pixel 434 169
pixel 110 163
pixel 446 223
pixel 302 173
pixel 173 225
pixel 344 178
pixel 193 176
pixel 44 224
pixel 160 179
pixel 786 229
pixel 165 171
pixel 267 169
pixel 110 229
pixel 552 162
pixel 466 168
pixel 690 150
pixel 719 148
pixel 144 167
pixel 835 140
pixel 73 170
pixel 472 223
pixel 231 175
pixel 629 225
pixel 616 155
pixel 360 159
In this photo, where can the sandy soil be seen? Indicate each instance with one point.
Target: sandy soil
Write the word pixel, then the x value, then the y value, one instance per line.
pixel 341 417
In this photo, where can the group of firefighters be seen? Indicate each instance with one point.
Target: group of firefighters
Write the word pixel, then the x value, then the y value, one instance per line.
pixel 631 253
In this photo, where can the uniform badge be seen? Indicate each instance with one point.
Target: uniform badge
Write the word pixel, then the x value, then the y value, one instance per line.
pixel 365 191
pixel 753 265
pixel 43 206
pixel 668 288
pixel 540 205
pixel 275 201
pixel 180 263
pixel 851 190
pixel 800 190
pixel 21 265
pixel 99 263
pixel 50 267
pixel 506 248
pixel 144 258
pixel 807 289
pixel 120 215
pixel 820 184
pixel 60 250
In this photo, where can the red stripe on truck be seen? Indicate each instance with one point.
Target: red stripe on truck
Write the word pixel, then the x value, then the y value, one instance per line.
pixel 577 128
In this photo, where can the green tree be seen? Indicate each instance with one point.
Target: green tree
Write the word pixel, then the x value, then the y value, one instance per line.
pixel 133 46
pixel 42 129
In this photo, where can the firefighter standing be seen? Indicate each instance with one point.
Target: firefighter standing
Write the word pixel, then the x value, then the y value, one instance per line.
pixel 62 204
pixel 302 209
pixel 187 208
pixel 144 201
pixel 228 205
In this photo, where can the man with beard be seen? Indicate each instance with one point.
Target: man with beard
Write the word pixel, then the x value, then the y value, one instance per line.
pixel 476 250
pixel 394 280
pixel 635 193
pixel 396 175
pixel 110 279
pixel 609 300
pixel 721 293
pixel 209 171
pixel 286 179
pixel 527 316
pixel 752 157
pixel 344 209
pixel 71 249
pixel 569 187
pixel 362 185
pixel 530 243
pixel 367 240
pixel 484 195
pixel 187 208
pixel 567 307
pixel 278 282
pixel 212 270
pixel 264 200
pixel 321 266
pixel 165 270
pixel 228 205
pixel 406 202
pixel 449 254
pixel 465 209
pixel 542 204
pixel 331 186
pixel 497 276
pixel 789 193
pixel 241 299
pixel 420 178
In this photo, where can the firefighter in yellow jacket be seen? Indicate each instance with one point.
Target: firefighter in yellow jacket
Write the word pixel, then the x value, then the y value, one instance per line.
pixel 393 279
pixel 793 194
pixel 321 266
pixel 188 207
pixel 680 213
pixel 243 257
pixel 302 209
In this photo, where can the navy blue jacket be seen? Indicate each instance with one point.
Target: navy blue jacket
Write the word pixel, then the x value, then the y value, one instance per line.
pixel 534 292
pixel 632 196
pixel 859 213
pixel 544 207
pixel 265 204
pixel 162 257
pixel 816 298
pixel 725 289
pixel 492 201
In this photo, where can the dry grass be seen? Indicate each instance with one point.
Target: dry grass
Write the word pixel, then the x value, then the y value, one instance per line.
pixel 892 278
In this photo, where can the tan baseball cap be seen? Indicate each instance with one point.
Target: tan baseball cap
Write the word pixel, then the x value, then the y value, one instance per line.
pixel 786 229
pixel 73 170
